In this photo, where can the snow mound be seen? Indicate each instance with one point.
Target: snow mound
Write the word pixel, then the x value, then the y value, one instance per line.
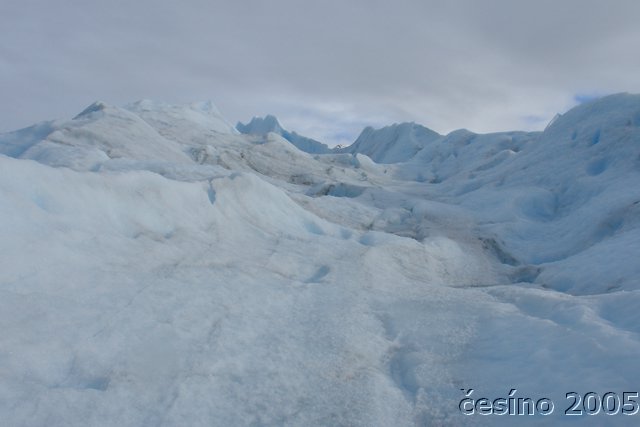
pixel 557 198
pixel 93 108
pixel 96 135
pixel 463 153
pixel 14 144
pixel 263 126
pixel 392 144
pixel 204 116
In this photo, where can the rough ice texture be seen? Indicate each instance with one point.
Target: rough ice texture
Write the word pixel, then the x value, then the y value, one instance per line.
pixel 262 126
pixel 159 268
pixel 392 144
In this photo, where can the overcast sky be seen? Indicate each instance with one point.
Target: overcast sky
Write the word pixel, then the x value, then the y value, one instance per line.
pixel 325 68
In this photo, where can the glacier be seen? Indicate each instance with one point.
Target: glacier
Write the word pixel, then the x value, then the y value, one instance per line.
pixel 264 125
pixel 161 267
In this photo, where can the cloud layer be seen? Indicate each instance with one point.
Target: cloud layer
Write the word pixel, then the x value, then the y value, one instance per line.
pixel 326 69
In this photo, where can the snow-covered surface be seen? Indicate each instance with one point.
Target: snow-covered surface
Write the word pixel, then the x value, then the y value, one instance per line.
pixel 392 144
pixel 160 269
pixel 263 125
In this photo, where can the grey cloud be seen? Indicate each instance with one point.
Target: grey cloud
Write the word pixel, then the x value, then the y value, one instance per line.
pixel 325 68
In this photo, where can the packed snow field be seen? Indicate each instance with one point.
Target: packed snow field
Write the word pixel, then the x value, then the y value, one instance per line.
pixel 161 268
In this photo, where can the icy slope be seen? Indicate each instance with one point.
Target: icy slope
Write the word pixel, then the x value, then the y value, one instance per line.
pixel 98 134
pixel 563 198
pixel 392 144
pixel 155 302
pixel 174 141
pixel 462 153
pixel 173 272
pixel 262 126
pixel 202 117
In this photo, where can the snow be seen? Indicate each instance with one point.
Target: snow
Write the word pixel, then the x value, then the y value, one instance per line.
pixel 203 116
pixel 262 126
pixel 160 268
pixel 392 144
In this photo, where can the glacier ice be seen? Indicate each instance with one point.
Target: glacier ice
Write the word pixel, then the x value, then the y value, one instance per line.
pixel 161 268
pixel 262 126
